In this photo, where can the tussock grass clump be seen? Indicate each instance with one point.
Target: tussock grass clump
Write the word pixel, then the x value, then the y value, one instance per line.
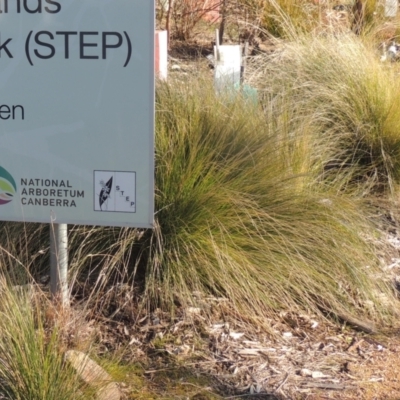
pixel 31 358
pixel 288 19
pixel 282 18
pixel 353 99
pixel 98 256
pixel 236 218
pixel 24 250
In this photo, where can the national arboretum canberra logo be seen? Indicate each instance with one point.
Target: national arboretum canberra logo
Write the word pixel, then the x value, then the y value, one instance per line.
pixel 8 187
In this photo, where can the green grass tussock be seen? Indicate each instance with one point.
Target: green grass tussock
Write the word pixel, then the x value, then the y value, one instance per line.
pixel 352 98
pixel 31 357
pixel 236 218
pixel 288 19
pixel 283 18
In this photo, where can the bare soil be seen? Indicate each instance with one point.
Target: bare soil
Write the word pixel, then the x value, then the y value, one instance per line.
pixel 191 357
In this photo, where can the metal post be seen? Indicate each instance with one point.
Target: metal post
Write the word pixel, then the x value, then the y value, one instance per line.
pixel 59 262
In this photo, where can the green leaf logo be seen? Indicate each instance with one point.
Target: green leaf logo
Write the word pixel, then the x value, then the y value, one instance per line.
pixel 8 188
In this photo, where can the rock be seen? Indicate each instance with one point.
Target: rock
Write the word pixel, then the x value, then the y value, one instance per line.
pixel 305 372
pixel 318 375
pixel 93 375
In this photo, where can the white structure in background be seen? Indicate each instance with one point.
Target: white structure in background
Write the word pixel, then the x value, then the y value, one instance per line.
pixel 391 7
pixel 161 54
pixel 164 4
pixel 227 64
pixel 384 52
pixel 392 53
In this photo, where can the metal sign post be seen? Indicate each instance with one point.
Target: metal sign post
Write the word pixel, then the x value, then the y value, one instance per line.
pixel 59 263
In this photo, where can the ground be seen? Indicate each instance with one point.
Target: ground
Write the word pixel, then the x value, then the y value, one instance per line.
pixel 191 357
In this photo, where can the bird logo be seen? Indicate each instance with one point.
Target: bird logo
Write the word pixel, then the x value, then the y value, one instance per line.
pixel 105 192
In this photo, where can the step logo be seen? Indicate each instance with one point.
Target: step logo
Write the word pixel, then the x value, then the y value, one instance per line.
pixel 8 187
pixel 114 191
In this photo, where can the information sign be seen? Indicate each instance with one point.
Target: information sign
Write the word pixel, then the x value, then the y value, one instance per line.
pixel 77 111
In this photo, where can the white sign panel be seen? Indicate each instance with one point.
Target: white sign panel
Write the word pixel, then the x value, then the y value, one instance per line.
pixel 77 111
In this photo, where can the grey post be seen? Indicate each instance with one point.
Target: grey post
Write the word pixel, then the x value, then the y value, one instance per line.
pixel 59 262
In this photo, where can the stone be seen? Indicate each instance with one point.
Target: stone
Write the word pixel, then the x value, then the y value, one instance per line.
pixel 318 375
pixel 94 375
